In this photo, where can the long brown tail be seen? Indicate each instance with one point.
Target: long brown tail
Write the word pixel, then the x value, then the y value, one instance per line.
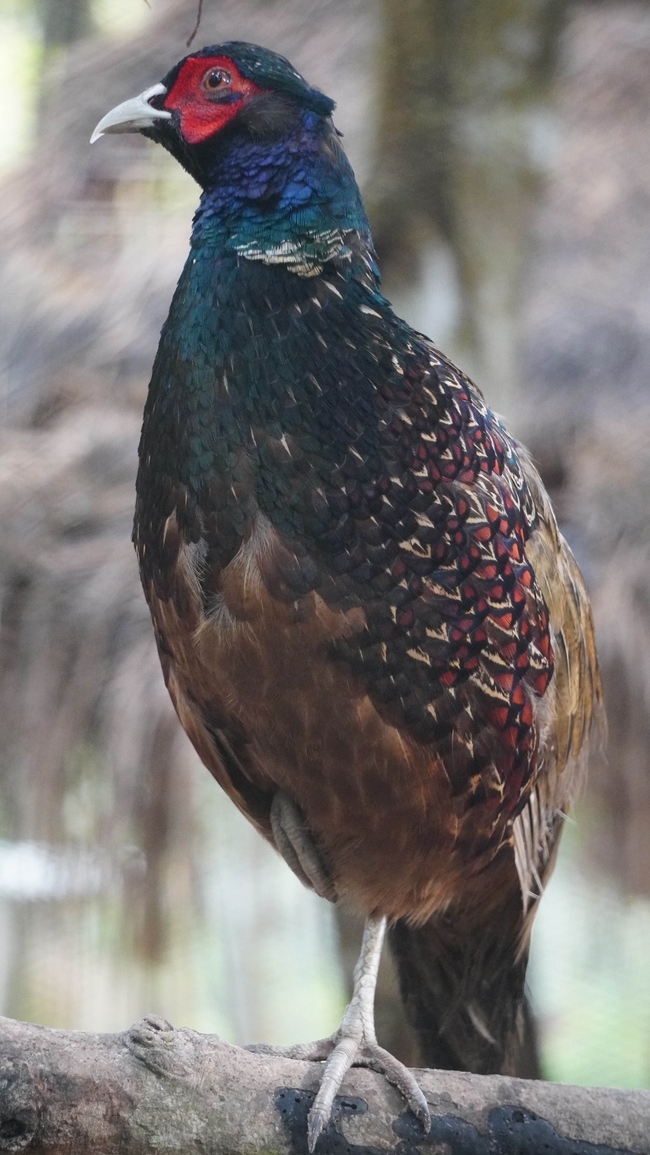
pixel 462 985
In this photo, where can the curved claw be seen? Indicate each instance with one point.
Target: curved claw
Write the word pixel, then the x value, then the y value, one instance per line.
pixel 316 1122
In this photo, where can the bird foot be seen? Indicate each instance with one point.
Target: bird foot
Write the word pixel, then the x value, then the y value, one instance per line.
pixel 349 1047
pixel 355 1043
pixel 354 1049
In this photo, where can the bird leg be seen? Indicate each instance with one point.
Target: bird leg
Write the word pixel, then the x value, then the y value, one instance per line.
pixel 355 1043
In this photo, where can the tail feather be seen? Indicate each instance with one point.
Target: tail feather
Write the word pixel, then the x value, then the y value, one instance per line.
pixel 462 983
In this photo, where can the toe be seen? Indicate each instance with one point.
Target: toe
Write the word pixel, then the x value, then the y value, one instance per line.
pixel 401 1077
pixel 312 1052
pixel 339 1062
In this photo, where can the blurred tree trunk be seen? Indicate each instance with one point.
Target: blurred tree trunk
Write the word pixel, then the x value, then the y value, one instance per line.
pixel 465 129
pixel 64 21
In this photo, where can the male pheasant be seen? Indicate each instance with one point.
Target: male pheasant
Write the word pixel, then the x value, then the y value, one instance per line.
pixel 370 627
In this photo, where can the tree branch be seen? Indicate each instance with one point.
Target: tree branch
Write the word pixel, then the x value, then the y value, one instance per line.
pixel 153 1088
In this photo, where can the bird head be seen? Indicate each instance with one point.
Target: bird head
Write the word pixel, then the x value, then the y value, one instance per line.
pixel 216 94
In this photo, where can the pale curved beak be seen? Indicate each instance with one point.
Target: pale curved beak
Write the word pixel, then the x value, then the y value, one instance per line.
pixel 133 114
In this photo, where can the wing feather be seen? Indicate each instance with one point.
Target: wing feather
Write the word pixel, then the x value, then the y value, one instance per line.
pixel 572 720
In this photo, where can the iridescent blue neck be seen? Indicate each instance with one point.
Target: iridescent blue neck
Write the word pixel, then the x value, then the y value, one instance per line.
pixel 292 201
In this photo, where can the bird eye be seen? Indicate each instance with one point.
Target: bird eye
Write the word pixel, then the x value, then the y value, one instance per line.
pixel 215 79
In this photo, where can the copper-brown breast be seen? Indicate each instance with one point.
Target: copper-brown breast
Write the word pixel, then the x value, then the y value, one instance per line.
pixel 266 707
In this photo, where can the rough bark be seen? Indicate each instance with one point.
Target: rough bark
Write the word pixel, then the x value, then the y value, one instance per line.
pixel 153 1088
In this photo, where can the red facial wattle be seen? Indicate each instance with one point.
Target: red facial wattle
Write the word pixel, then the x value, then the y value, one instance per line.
pixel 204 109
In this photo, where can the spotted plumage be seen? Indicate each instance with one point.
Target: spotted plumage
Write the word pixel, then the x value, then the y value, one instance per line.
pixel 360 596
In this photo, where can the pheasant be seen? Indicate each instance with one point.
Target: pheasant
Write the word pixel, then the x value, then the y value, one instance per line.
pixel 369 624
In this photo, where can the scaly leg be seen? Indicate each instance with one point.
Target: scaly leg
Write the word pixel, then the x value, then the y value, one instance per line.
pixel 355 1042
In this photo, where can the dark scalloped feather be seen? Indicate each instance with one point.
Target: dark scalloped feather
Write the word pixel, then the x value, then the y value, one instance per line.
pixel 394 488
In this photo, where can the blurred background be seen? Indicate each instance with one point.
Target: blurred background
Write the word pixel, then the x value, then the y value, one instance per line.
pixel 503 147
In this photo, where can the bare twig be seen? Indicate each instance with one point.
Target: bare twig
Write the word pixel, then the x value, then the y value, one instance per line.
pixel 199 14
